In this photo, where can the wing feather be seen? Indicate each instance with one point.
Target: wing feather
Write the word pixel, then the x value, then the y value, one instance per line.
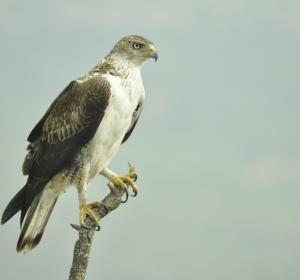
pixel 69 123
pixel 134 120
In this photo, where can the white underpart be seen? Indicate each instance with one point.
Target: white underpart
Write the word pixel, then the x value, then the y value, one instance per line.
pixel 125 95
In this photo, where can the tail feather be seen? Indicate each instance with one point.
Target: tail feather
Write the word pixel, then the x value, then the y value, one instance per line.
pixel 23 199
pixel 36 220
pixel 14 206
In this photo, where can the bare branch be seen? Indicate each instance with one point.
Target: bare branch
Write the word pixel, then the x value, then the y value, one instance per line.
pixel 83 244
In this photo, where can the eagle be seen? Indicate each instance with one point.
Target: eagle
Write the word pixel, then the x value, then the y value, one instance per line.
pixel 78 136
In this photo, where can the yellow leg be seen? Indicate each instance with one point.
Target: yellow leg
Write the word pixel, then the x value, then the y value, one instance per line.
pixel 123 181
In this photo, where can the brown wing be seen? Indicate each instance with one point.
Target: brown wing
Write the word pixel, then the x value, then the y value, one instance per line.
pixel 69 124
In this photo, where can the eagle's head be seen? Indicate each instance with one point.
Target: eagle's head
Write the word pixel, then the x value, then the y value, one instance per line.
pixel 135 48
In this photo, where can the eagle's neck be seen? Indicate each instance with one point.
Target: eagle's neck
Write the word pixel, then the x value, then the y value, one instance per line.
pixel 116 65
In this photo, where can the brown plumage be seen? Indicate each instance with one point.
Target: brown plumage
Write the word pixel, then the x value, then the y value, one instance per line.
pixel 68 146
pixel 69 123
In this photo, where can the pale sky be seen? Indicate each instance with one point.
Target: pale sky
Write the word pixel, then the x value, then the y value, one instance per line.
pixel 217 146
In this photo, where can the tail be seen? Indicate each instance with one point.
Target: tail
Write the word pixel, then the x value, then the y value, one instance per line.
pixel 15 205
pixel 23 199
pixel 36 220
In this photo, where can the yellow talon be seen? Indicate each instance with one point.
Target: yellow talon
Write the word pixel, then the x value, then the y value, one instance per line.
pixel 123 182
pixel 127 180
pixel 87 210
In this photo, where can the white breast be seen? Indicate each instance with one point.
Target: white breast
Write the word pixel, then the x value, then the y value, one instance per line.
pixel 110 133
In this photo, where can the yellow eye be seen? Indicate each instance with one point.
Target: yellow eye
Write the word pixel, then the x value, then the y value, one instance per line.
pixel 136 45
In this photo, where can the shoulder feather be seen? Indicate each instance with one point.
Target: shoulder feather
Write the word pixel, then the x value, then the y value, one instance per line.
pixel 69 123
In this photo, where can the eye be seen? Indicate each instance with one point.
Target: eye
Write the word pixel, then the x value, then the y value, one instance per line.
pixel 136 45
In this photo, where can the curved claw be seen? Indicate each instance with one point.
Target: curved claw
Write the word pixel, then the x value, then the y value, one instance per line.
pixel 133 176
pixel 125 181
pixel 132 172
pixel 126 196
pixel 134 194
pixel 86 210
pixel 97 228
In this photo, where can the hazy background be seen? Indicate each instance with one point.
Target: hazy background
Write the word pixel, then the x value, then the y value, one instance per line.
pixel 217 146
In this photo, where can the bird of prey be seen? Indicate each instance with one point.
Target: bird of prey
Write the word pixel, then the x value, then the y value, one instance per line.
pixel 79 135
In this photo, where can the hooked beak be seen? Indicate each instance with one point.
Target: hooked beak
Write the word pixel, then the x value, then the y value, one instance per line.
pixel 154 53
pixel 155 56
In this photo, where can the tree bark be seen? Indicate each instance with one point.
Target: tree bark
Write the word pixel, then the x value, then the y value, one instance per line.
pixel 86 233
